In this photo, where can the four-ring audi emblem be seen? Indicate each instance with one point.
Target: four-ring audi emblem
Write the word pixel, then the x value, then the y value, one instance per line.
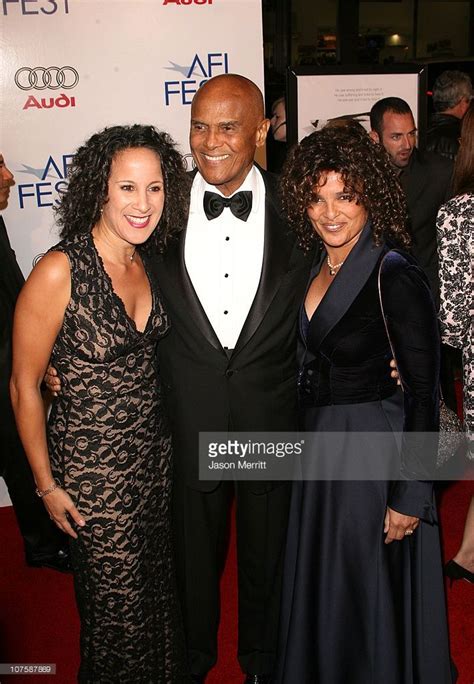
pixel 51 78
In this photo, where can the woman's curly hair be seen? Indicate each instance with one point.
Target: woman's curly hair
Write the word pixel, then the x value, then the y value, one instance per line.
pixel 80 206
pixel 366 171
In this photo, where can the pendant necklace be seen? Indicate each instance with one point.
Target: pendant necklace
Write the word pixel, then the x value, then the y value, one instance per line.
pixel 333 268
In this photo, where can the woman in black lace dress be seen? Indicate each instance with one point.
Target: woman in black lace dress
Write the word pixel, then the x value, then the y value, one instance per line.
pixel 103 465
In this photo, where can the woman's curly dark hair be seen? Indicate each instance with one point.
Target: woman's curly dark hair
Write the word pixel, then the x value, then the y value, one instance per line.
pixel 80 206
pixel 367 174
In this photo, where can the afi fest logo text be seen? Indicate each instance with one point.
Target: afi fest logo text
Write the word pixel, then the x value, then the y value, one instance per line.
pixel 47 78
pixel 50 180
pixel 202 68
pixel 187 2
pixel 32 7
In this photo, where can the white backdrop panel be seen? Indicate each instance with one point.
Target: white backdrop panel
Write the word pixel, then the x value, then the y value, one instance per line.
pixel 136 61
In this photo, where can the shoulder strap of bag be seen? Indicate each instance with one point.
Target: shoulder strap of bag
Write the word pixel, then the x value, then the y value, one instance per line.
pixel 379 285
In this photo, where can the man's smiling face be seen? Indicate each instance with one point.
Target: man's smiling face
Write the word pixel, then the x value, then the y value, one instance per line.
pixel 227 124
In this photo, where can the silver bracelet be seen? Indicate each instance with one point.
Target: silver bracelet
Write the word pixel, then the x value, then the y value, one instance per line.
pixel 50 489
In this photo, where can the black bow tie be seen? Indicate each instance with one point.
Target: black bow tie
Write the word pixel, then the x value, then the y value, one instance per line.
pixel 240 204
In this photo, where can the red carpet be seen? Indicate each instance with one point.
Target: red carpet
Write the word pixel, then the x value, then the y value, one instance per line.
pixel 454 503
pixel 39 623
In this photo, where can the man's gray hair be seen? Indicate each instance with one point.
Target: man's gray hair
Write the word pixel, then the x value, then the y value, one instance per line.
pixel 450 88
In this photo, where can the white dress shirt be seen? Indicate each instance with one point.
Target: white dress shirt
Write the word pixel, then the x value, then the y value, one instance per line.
pixel 224 257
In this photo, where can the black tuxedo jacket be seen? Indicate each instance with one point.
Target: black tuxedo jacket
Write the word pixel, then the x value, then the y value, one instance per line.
pixel 254 389
pixel 427 184
pixel 11 282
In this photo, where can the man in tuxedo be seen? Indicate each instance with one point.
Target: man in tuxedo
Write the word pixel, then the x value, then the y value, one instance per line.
pixel 44 544
pixel 232 285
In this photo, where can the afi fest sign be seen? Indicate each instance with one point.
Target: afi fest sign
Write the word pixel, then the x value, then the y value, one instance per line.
pixel 71 67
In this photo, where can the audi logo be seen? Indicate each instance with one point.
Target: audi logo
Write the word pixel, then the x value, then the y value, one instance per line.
pixel 40 78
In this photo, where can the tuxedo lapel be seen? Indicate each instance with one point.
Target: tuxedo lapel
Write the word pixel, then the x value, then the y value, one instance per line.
pixel 346 286
pixel 10 272
pixel 180 288
pixel 278 246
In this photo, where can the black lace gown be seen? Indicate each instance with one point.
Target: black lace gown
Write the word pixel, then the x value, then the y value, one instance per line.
pixel 111 450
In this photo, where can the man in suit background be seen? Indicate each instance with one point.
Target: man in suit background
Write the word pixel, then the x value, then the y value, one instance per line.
pixel 232 286
pixel 44 544
pixel 452 94
pixel 425 177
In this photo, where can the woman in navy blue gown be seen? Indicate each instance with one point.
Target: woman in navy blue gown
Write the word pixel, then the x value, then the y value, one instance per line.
pixel 363 598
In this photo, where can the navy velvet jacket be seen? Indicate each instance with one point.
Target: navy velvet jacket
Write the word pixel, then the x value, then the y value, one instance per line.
pixel 348 356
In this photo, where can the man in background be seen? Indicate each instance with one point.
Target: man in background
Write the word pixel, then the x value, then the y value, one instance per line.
pixel 276 142
pixel 44 544
pixel 278 119
pixel 452 93
pixel 425 178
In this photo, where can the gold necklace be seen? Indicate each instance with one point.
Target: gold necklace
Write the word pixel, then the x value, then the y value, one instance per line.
pixel 333 268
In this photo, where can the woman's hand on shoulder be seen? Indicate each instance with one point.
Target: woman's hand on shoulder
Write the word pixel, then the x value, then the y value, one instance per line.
pixel 397 525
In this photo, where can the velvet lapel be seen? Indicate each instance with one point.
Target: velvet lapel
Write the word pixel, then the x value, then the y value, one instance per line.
pixel 182 289
pixel 346 286
pixel 278 246
pixel 304 354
